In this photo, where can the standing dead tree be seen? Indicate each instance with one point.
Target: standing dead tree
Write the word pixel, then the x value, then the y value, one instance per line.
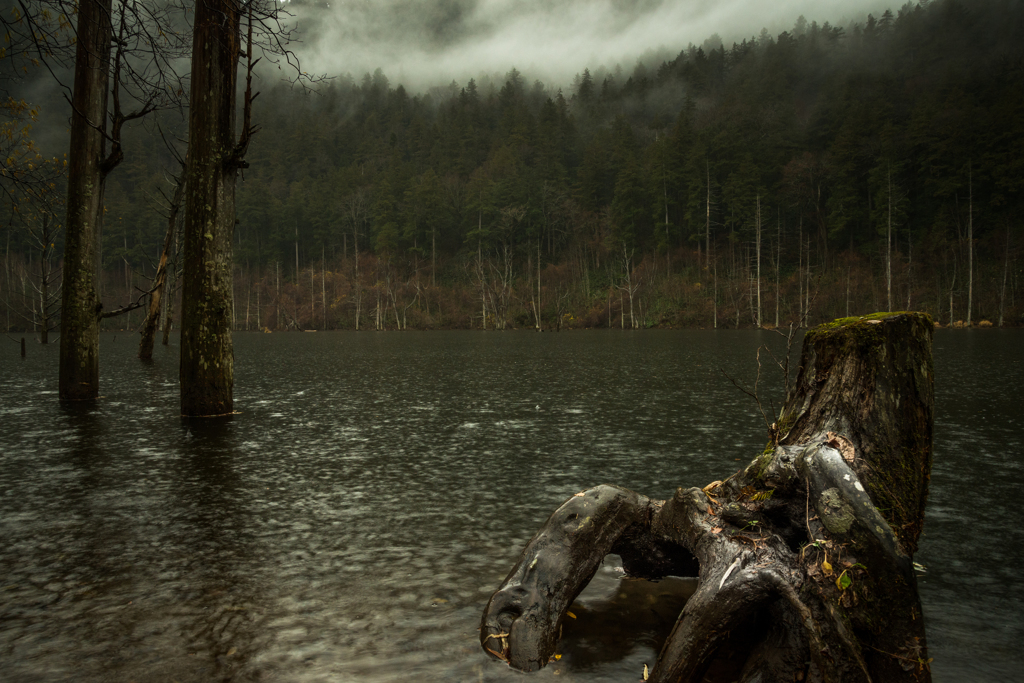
pixel 124 70
pixel 216 156
pixel 157 305
pixel 804 557
pixel 629 283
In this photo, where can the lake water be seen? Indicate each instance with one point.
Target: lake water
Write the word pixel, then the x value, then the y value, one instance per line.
pixel 351 522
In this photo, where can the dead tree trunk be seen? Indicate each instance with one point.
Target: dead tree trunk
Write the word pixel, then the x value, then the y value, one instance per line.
pixel 80 299
pixel 207 355
pixel 149 325
pixel 804 557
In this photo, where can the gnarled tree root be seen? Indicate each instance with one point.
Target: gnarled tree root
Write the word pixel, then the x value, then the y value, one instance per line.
pixel 790 552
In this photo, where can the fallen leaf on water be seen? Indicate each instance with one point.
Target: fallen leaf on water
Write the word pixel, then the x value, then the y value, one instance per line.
pixel 232 651
pixel 571 614
pixel 647 673
pixel 558 656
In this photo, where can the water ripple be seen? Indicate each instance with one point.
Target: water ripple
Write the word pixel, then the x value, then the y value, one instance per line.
pixel 353 519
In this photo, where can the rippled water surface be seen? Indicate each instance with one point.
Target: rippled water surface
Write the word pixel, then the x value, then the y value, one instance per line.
pixel 350 523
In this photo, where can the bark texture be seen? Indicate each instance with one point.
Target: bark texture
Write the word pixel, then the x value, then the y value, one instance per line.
pixel 871 379
pixel 80 301
pixel 207 355
pixel 804 557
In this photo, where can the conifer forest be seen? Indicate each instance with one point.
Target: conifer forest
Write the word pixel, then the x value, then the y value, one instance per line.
pixel 826 171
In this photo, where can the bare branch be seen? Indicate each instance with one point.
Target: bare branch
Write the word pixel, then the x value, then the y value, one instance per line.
pixel 753 394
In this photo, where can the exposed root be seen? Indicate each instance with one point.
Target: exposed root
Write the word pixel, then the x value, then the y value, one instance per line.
pixel 742 536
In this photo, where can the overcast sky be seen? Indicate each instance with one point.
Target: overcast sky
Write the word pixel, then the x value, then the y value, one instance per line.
pixel 430 42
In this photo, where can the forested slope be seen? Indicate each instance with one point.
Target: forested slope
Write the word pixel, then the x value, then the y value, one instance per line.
pixel 821 172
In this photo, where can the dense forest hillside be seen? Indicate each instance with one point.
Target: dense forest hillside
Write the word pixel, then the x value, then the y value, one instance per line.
pixel 822 172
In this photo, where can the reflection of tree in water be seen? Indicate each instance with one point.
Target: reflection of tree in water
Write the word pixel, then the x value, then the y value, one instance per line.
pixel 616 616
pixel 129 562
pixel 640 614
pixel 48 532
pixel 77 585
pixel 637 613
pixel 224 625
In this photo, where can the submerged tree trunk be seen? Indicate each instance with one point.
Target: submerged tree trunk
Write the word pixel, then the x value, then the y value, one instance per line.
pixel 80 304
pixel 207 356
pixel 44 295
pixel 1006 267
pixel 970 244
pixel 804 557
pixel 168 300
pixel 757 226
pixel 156 303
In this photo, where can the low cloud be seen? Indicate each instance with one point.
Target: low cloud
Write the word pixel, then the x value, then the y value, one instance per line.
pixel 430 42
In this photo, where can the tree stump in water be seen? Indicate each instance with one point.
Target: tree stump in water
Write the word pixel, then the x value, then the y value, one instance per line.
pixel 804 557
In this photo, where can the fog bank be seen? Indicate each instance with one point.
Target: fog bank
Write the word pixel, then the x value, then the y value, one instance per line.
pixel 429 42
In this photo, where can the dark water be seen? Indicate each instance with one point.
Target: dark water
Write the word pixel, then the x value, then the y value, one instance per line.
pixel 351 522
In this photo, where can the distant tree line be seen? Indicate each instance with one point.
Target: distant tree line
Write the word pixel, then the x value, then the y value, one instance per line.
pixel 818 173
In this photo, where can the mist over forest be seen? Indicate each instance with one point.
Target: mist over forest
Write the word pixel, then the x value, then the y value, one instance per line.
pixel 505 164
pixel 422 43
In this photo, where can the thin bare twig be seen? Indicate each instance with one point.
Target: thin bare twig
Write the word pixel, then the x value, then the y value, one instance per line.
pixel 748 392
